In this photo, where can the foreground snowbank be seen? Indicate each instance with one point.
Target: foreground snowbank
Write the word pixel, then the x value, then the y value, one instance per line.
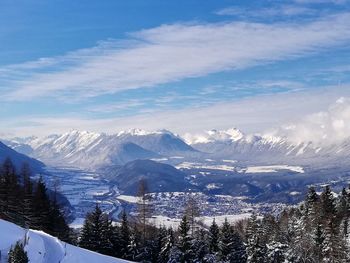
pixel 43 248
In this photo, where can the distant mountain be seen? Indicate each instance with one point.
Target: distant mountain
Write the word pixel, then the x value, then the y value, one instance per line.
pixel 92 150
pixel 266 149
pixel 160 177
pixel 162 142
pixel 19 159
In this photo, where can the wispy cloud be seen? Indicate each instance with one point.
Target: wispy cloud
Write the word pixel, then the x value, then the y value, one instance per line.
pixel 117 106
pixel 170 53
pixel 337 2
pixel 275 11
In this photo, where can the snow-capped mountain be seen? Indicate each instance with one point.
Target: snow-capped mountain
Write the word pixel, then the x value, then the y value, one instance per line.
pixel 42 247
pixel 90 150
pixel 266 148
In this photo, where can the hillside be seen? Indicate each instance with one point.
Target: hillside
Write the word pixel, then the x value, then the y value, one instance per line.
pixel 19 159
pixel 43 248
pixel 160 177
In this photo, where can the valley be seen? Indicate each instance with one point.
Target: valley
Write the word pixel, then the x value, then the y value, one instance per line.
pixel 227 172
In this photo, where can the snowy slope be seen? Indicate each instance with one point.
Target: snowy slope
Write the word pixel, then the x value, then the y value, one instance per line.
pixel 43 248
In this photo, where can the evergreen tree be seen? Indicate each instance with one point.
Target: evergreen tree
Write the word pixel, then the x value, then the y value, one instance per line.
pixel 167 244
pixel 124 237
pixel 96 232
pixel 116 241
pixel 185 241
pixel 17 254
pixel 343 206
pixel 58 226
pixel 161 239
pixel 333 249
pixel 226 242
pixel 10 194
pixel 214 234
pixel 256 250
pixel 238 253
pixel 134 246
pixel 28 206
pixel 277 252
pixel 328 204
pixel 41 207
pixel 200 247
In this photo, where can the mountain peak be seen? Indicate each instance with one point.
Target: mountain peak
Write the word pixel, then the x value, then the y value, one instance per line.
pixel 232 134
pixel 141 132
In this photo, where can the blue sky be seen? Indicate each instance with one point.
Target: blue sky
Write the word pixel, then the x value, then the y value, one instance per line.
pixel 180 65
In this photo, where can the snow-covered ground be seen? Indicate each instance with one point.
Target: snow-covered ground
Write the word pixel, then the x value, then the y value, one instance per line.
pixel 190 165
pixel 272 169
pixel 43 248
pixel 128 198
pixel 206 220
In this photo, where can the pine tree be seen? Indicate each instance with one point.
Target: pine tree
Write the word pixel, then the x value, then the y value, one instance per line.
pixel 277 252
pixel 333 249
pixel 28 206
pixel 214 235
pixel 343 204
pixel 10 194
pixel 41 207
pixel 200 246
pixel 134 247
pixel 115 239
pixel 185 241
pixel 96 231
pixel 328 204
pixel 226 241
pixel 58 226
pixel 124 236
pixel 256 250
pixel 238 253
pixel 167 244
pixel 17 254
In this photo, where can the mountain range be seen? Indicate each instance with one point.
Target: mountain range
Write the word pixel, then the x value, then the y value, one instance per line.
pixel 218 162
pixel 91 150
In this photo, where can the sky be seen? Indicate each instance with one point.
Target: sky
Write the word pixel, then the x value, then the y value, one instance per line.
pixel 185 65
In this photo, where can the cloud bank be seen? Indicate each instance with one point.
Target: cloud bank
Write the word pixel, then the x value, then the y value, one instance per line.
pixel 251 115
pixel 322 128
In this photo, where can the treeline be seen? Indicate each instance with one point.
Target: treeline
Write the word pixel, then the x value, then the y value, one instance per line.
pixel 318 230
pixel 27 203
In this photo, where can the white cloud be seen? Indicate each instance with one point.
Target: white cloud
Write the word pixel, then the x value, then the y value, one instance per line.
pixel 280 11
pixel 170 53
pixel 322 128
pixel 250 115
pixel 337 2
